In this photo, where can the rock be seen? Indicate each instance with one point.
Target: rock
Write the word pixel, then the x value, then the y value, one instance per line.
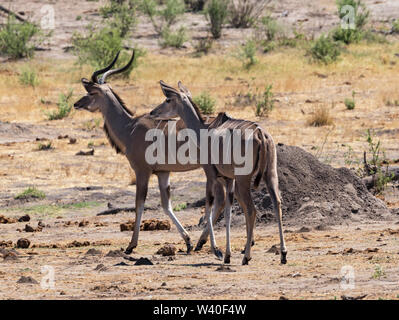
pixel 128 226
pixel 72 140
pixel 89 152
pixel 78 244
pixel 283 298
pixel 143 262
pixel 274 249
pixel 28 228
pixel 100 267
pixel 93 252
pixel 167 250
pixel 121 264
pixel 304 229
pixel 115 254
pixel 10 256
pixel 5 244
pixel 83 223
pixel 23 243
pixel 5 220
pixel 164 225
pixel 29 280
pixel 24 218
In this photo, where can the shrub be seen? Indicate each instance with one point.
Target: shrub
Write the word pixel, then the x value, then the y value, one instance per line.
pixel 203 46
pixel 320 117
pixel 265 104
pixel 205 102
pixel 245 13
pixel 31 192
pixel 120 15
pixel 350 103
pixel 173 39
pixel 98 48
pixel 216 13
pixel 44 146
pixel 350 34
pixel 167 15
pixel 247 54
pixel 395 26
pixel 18 39
pixel 28 77
pixel 325 50
pixel 64 107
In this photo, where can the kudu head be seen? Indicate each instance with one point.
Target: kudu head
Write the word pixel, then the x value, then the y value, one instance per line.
pixel 175 104
pixel 97 89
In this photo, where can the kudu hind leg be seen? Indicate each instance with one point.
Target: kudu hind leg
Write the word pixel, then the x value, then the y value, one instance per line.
pixel 272 185
pixel 141 194
pixel 227 216
pixel 164 188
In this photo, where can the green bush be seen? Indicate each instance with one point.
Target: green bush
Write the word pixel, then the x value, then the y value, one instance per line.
pixel 325 50
pixel 265 104
pixel 361 15
pixel 205 102
pixel 19 39
pixel 98 48
pixel 28 77
pixel 216 13
pixel 162 17
pixel 174 39
pixel 120 15
pixel 395 26
pixel 247 54
pixel 64 107
pixel 350 104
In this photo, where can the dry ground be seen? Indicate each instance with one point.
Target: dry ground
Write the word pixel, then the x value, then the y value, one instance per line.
pixel 315 257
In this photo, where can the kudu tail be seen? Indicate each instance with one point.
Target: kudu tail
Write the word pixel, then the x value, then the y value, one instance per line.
pixel 262 160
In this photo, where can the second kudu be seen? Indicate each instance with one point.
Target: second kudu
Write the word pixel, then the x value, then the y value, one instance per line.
pixel 127 134
pixel 263 158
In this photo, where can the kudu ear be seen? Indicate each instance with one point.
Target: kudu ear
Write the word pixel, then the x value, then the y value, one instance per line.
pixel 89 85
pixel 168 91
pixel 184 90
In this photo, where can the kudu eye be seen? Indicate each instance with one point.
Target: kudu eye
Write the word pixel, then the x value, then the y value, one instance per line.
pixel 167 100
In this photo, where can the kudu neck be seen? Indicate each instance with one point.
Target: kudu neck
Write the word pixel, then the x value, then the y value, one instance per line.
pixel 117 120
pixel 192 119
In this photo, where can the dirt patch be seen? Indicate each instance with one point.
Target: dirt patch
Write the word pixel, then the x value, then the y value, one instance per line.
pixel 314 193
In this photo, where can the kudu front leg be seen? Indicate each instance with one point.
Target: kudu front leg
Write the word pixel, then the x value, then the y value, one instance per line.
pixel 164 188
pixel 227 216
pixel 141 194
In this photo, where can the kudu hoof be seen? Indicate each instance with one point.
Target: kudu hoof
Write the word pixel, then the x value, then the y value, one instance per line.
pixel 189 247
pixel 252 244
pixel 218 254
pixel 245 261
pixel 283 257
pixel 129 250
pixel 199 245
pixel 227 259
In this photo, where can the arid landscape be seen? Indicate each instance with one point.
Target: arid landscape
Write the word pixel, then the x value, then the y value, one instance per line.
pixel 342 239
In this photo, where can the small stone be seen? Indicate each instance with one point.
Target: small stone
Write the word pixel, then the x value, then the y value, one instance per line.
pixel 23 243
pixel 143 262
pixel 28 280
pixel 24 218
pixel 167 250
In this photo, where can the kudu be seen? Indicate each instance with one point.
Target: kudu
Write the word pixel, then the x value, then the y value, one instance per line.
pixel 127 134
pixel 263 157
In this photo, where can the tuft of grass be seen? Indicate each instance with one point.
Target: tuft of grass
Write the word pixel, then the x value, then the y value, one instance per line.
pixel 247 54
pixel 31 192
pixel 217 13
pixel 203 46
pixel 321 117
pixel 28 77
pixel 180 207
pixel 265 104
pixel 44 146
pixel 395 26
pixel 350 104
pixel 205 102
pixel 64 107
pixel 378 272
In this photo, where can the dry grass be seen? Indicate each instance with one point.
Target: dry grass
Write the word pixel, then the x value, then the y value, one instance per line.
pixel 320 117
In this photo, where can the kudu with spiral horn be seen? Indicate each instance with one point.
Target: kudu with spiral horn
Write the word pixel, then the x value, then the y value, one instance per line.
pixel 127 134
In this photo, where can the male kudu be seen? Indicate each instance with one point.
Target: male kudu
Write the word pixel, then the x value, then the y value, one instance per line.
pixel 263 157
pixel 126 134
